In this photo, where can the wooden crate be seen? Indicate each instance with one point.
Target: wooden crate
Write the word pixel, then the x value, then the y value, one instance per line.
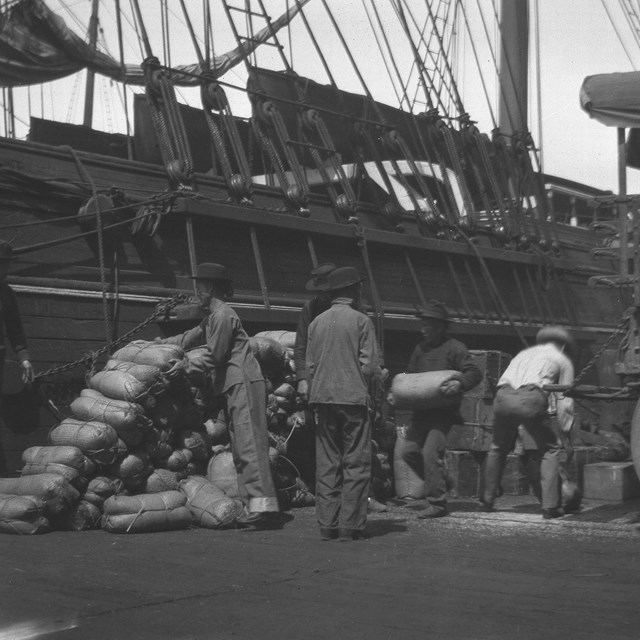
pixel 612 481
pixel 466 469
pixel 492 365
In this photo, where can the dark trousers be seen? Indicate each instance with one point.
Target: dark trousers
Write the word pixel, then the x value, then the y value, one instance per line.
pixel 423 449
pixel 343 466
pixel 250 444
pixel 542 434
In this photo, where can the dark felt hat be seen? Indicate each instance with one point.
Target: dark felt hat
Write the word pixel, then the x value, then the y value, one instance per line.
pixel 557 334
pixel 342 277
pixel 433 310
pixel 319 275
pixel 6 251
pixel 211 271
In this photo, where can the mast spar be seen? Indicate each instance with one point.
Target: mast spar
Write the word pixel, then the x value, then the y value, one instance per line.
pixel 91 76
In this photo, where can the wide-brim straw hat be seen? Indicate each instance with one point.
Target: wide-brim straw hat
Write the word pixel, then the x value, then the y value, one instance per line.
pixel 557 334
pixel 211 271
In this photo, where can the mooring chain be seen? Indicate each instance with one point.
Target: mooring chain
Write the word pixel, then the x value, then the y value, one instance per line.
pixel 621 328
pixel 92 356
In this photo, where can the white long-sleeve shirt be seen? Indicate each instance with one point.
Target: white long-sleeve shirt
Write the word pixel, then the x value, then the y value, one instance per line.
pixel 540 365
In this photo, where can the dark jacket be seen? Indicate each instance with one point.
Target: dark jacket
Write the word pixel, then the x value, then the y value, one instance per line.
pixel 11 321
pixel 449 354
pixel 310 311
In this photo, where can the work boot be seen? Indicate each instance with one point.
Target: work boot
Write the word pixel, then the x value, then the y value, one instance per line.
pixel 347 535
pixel 549 514
pixel 485 506
pixel 327 533
pixel 434 511
pixel 373 506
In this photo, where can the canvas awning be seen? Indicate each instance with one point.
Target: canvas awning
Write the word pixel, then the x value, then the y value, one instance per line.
pixel 37 46
pixel 612 98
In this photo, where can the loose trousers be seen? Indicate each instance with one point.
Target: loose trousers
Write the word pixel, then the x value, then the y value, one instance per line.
pixel 539 429
pixel 343 466
pixel 423 449
pixel 250 444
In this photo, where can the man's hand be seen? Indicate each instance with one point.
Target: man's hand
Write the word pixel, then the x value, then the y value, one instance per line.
pixel 390 399
pixel 451 388
pixel 303 390
pixel 27 373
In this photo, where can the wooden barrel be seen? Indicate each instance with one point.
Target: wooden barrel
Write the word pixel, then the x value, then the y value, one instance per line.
pixel 422 390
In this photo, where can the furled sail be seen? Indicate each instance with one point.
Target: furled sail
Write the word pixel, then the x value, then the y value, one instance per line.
pixel 37 46
pixel 612 98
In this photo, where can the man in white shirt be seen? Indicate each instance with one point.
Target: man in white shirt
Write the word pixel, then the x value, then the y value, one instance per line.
pixel 521 400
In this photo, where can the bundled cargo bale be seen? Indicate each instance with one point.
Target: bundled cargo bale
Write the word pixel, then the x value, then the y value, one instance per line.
pixel 100 488
pixel 81 517
pixel 157 443
pixel 270 355
pixel 210 507
pixel 217 429
pixel 146 373
pixel 163 356
pixel 285 338
pixel 161 480
pixel 195 441
pixel 127 418
pixel 133 470
pixel 96 440
pixel 147 512
pixel 222 472
pixel 178 461
pixel 120 385
pixel 417 391
pixel 56 492
pixel 67 461
pixel 23 515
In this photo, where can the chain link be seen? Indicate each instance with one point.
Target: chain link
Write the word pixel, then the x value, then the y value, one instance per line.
pixel 90 358
pixel 621 328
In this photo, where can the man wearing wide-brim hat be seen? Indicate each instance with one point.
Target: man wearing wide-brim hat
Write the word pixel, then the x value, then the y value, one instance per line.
pixel 11 319
pixel 545 417
pixel 311 309
pixel 229 368
pixel 342 360
pixel 423 446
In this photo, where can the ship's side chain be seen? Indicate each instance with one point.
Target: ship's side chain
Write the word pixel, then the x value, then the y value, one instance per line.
pixel 90 358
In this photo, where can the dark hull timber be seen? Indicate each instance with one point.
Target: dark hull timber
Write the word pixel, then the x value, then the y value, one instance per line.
pixel 270 251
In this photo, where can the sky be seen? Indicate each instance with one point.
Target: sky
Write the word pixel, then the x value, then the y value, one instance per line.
pixel 576 39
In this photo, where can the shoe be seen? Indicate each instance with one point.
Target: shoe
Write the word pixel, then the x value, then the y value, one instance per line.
pixel 485 506
pixel 373 506
pixel 328 534
pixel 261 520
pixel 433 512
pixel 249 518
pixel 347 535
pixel 549 514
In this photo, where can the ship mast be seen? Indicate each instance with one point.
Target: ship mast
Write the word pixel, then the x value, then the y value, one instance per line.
pixel 514 66
pixel 91 76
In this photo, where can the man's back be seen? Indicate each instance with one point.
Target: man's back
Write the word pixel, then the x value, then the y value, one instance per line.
pixel 342 355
